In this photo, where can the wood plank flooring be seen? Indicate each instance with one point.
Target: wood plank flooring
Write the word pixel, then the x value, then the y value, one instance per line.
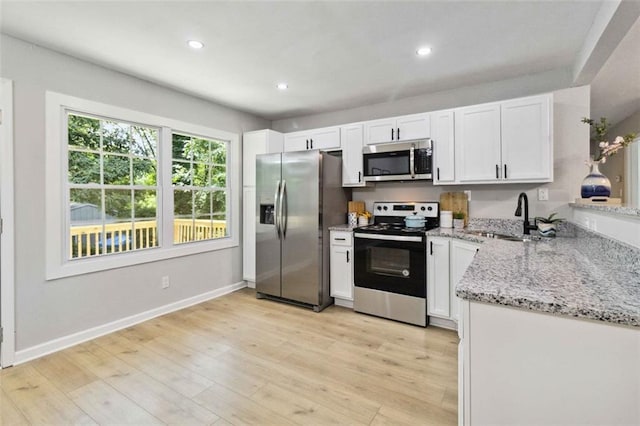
pixel 238 360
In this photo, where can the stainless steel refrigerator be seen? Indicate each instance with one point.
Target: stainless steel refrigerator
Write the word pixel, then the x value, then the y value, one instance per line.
pixel 299 195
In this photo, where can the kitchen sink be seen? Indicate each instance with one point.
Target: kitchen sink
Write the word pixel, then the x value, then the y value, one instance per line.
pixel 497 236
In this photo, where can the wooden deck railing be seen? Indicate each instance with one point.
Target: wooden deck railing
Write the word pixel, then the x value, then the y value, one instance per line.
pixel 87 240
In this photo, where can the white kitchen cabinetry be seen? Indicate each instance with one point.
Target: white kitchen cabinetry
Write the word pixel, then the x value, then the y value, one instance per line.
pixel 438 280
pixel 447 261
pixel 352 173
pixel 324 139
pixel 443 147
pixel 405 128
pixel 526 139
pixel 341 267
pixel 505 142
pixel 462 254
pixel 522 367
pixel 253 143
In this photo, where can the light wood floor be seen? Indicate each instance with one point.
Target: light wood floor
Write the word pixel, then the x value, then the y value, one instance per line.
pixel 239 360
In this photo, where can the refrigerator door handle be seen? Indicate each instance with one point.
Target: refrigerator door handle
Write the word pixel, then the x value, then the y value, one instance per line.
pixel 276 205
pixel 284 211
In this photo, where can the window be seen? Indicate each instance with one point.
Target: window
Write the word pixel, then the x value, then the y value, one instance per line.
pixel 125 187
pixel 199 177
pixel 113 190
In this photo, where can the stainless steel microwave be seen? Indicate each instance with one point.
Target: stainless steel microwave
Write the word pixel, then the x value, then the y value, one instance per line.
pixel 398 161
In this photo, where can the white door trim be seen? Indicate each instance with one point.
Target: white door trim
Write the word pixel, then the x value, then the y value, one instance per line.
pixel 7 290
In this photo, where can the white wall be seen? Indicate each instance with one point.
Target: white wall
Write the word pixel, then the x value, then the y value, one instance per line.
pixel 571 148
pixel 49 310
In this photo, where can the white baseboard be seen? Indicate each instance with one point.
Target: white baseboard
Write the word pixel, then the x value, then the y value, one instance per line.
pixel 250 284
pixel 343 302
pixel 58 344
pixel 443 323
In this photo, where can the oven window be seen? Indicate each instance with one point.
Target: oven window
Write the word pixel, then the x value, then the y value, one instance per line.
pixel 392 262
pixel 387 163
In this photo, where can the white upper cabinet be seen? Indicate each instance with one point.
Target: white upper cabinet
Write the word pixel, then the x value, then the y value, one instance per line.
pixel 325 139
pixel 526 139
pixel 505 142
pixel 254 143
pixel 478 143
pixel 405 128
pixel 352 138
pixel 442 123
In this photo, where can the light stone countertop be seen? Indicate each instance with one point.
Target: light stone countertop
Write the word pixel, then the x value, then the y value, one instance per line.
pixel 620 209
pixel 343 228
pixel 582 275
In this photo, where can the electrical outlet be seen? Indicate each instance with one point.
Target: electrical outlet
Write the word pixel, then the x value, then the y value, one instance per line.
pixel 543 194
pixel 165 281
pixel 468 192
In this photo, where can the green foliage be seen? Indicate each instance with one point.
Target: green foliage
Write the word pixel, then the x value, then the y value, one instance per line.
pixel 550 219
pixel 458 215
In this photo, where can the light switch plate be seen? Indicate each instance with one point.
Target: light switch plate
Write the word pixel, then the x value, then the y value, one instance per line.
pixel 543 194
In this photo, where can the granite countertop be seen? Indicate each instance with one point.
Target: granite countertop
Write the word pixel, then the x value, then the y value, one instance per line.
pixel 344 228
pixel 581 275
pixel 621 209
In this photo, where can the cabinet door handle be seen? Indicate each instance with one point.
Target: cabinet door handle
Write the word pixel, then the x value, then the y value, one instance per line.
pixel 505 171
pixel 347 256
pixel 398 133
pixel 307 143
pixel 359 177
pixel 438 173
pixel 392 133
pixel 431 248
pixel 497 171
pixel 311 143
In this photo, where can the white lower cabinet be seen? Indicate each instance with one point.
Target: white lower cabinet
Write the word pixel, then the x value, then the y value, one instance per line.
pixel 447 260
pixel 341 267
pixel 249 235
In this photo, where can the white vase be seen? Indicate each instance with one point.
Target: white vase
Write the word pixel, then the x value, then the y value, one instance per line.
pixel 547 229
pixel 595 184
pixel 458 223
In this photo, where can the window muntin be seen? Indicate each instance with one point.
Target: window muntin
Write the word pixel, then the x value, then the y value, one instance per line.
pixel 200 192
pixel 112 185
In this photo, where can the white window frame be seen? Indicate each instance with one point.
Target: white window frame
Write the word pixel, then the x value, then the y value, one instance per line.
pixel 57 207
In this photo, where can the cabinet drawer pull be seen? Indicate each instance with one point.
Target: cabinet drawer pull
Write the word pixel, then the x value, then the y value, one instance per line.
pixel 340 239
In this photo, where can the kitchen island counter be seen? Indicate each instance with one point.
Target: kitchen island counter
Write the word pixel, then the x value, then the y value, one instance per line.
pixel 586 276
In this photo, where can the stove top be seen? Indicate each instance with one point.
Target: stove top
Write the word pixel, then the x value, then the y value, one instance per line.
pixel 389 218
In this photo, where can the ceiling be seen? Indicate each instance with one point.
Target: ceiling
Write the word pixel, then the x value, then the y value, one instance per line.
pixel 333 55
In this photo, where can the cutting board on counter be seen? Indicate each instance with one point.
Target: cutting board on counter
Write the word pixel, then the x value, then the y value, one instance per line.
pixel 455 202
pixel 356 206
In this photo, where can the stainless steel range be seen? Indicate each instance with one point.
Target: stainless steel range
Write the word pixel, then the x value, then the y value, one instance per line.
pixel 390 261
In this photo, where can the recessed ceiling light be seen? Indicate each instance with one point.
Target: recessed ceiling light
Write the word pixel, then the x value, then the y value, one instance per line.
pixel 423 51
pixel 282 86
pixel 195 44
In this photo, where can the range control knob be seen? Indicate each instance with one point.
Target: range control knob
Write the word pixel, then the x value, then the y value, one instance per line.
pixel 386 208
pixel 379 207
pixel 422 208
pixel 429 208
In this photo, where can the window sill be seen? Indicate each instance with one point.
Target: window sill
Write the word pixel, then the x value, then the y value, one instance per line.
pixel 76 267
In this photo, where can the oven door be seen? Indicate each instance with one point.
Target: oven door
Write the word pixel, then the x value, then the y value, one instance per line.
pixel 396 264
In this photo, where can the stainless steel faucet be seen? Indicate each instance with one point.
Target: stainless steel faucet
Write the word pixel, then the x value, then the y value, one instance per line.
pixel 526 225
